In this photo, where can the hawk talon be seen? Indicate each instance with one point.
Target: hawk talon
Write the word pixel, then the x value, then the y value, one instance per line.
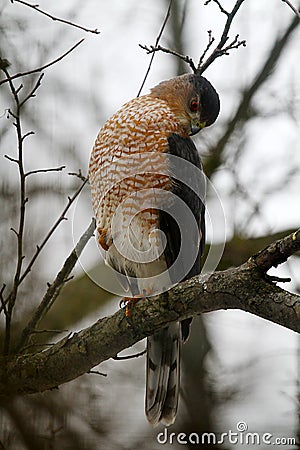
pixel 128 302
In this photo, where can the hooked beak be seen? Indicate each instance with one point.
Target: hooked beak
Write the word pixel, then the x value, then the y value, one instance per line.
pixel 196 126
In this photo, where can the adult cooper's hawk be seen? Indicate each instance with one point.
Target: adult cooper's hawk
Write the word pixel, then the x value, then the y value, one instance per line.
pixel 148 198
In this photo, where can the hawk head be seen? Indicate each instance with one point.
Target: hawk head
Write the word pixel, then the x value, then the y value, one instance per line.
pixel 192 99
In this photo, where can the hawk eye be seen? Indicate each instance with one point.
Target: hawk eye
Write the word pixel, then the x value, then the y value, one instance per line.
pixel 194 105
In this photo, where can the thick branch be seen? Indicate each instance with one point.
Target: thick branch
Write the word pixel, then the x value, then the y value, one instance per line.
pixel 245 287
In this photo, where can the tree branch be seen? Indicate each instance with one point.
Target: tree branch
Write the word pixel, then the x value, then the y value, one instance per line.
pixel 159 48
pixel 156 44
pixel 54 169
pixel 214 160
pixel 10 302
pixel 246 288
pixel 292 7
pixel 51 231
pixel 220 48
pixel 56 19
pixel 55 287
pixel 41 68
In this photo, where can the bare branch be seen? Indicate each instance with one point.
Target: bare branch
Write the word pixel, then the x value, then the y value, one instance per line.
pixel 96 372
pixel 159 48
pixel 211 40
pixel 34 89
pixel 3 303
pixel 41 68
pixel 55 169
pixel 30 133
pixel 19 275
pixel 135 355
pixel 51 231
pixel 56 19
pixel 156 43
pixel 220 50
pixel 245 287
pixel 78 175
pixel 219 5
pixel 55 287
pixel 10 158
pixel 242 111
pixel 292 7
pixel 11 299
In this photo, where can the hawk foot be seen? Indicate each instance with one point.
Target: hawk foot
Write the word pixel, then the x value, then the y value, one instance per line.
pixel 128 302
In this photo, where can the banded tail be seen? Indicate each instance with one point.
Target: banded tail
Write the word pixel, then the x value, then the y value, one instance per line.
pixel 163 375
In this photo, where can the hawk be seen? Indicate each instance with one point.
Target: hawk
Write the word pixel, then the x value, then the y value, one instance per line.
pixel 148 198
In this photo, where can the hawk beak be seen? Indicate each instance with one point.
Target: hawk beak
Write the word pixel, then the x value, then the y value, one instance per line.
pixel 194 130
pixel 196 127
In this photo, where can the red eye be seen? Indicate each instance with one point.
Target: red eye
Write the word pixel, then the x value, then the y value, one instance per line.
pixel 194 105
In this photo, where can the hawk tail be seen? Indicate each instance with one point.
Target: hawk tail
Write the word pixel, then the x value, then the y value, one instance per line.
pixel 163 375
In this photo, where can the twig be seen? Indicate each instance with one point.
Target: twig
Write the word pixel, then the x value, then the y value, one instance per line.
pixel 3 304
pixel 56 19
pixel 51 231
pixel 55 169
pixel 220 50
pixel 30 133
pixel 34 89
pixel 211 40
pixel 160 48
pixel 78 175
pixel 55 287
pixel 219 5
pixel 135 355
pixel 96 372
pixel 292 7
pixel 156 44
pixel 41 68
pixel 274 279
pixel 10 158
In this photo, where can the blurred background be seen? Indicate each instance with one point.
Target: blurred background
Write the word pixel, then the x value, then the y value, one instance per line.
pixel 236 367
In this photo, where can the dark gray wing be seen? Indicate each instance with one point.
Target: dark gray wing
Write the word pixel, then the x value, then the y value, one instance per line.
pixel 185 148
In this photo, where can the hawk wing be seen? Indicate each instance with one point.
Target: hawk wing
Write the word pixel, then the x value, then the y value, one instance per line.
pixel 185 148
pixel 163 348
